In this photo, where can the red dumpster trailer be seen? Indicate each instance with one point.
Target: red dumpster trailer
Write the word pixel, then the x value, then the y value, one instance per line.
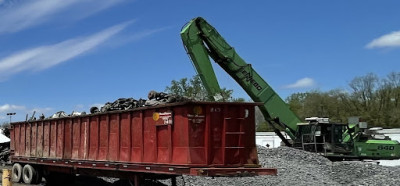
pixel 188 138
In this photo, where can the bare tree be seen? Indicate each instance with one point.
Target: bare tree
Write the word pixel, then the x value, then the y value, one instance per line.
pixel 363 90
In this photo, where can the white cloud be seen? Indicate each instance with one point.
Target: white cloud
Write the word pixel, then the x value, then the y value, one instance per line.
pixel 302 83
pixel 388 40
pixel 43 57
pixel 132 37
pixel 25 14
pixel 10 108
pixel 39 111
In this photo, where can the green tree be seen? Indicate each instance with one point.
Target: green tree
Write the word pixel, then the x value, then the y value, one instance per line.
pixel 193 88
pixel 387 106
pixel 375 100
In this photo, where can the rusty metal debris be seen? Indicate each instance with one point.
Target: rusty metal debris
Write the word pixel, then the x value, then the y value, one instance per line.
pixel 154 98
pixel 157 98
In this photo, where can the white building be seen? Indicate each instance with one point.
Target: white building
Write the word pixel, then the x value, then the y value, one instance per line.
pixel 270 138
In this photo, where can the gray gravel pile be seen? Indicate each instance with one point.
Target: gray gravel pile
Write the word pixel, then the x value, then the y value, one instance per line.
pixel 296 167
pixel 361 173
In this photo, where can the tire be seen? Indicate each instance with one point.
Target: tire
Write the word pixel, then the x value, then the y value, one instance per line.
pixel 39 176
pixel 16 173
pixel 29 174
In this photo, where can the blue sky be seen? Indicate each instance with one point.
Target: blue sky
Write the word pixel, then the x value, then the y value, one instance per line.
pixel 71 55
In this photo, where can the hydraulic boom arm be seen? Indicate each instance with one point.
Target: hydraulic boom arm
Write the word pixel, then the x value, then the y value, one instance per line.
pixel 201 40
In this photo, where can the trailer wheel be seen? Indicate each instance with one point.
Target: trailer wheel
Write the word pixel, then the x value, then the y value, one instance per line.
pixel 16 173
pixel 29 174
pixel 39 175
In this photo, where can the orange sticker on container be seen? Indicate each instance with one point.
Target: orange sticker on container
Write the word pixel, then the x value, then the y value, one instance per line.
pixel 197 110
pixel 156 116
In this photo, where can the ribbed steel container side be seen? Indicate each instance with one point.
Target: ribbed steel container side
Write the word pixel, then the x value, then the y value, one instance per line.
pixel 193 134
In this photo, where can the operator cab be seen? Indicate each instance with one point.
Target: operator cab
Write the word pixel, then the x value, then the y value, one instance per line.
pixel 320 136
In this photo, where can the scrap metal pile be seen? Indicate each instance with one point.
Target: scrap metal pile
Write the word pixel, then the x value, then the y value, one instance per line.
pixel 5 152
pixel 154 98
pixel 119 104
